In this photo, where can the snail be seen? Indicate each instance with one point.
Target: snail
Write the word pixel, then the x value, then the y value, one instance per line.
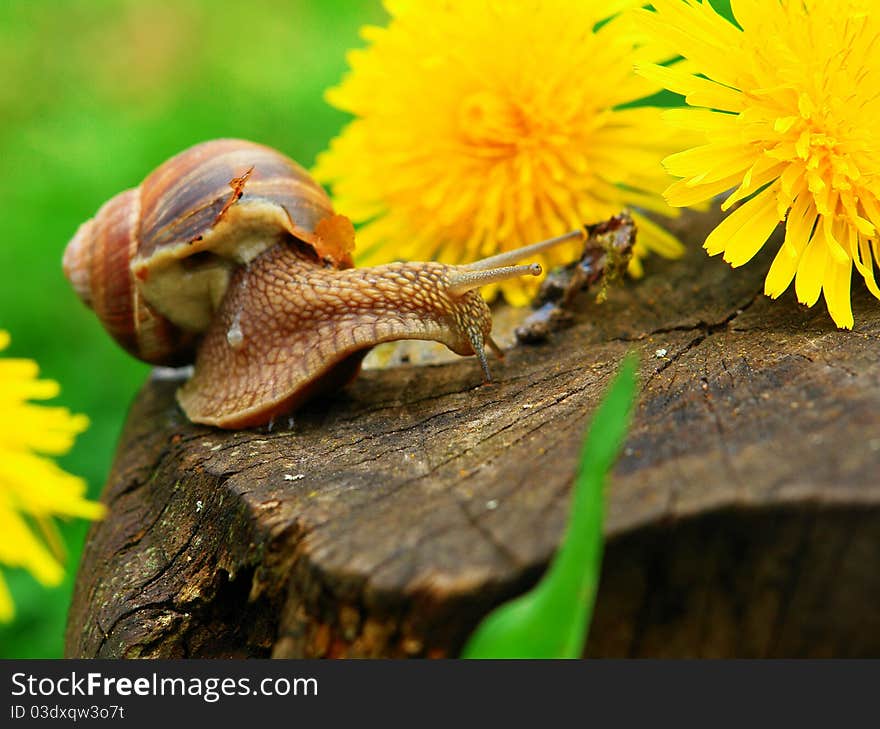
pixel 230 256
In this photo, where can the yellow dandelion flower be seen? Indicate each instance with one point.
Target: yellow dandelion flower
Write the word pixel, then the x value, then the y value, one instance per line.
pixel 791 120
pixel 33 488
pixel 484 125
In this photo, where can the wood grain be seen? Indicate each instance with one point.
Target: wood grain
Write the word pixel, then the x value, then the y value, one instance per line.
pixel 743 517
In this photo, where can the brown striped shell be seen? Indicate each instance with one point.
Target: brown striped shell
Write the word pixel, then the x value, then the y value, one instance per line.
pixel 155 262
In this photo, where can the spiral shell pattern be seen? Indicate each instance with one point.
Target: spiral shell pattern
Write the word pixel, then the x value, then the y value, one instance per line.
pixel 228 199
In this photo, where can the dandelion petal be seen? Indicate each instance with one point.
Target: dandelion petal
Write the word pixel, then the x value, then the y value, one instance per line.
pixel 742 233
pixel 836 291
pixel 811 269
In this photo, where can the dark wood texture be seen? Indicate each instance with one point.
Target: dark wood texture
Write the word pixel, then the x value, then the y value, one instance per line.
pixel 743 516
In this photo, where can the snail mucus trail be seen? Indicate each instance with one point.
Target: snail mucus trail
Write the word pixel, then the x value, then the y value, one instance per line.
pixel 257 285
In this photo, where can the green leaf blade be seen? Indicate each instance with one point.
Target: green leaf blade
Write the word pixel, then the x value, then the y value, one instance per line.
pixel 551 620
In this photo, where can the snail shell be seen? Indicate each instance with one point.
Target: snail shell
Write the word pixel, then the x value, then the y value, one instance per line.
pixel 155 262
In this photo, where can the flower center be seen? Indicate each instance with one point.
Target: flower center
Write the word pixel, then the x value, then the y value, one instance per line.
pixel 493 123
pixel 820 138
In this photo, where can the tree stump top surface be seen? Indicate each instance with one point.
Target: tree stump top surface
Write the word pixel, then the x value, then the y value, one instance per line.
pixel 394 514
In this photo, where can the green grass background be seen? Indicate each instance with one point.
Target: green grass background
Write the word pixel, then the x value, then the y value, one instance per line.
pixel 94 95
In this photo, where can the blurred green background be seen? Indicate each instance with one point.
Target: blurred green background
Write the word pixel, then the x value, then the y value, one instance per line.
pixel 95 94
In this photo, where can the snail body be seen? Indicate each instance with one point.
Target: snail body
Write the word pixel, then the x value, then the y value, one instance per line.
pixel 230 256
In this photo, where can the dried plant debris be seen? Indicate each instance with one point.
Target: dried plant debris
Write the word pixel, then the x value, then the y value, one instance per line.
pixel 607 252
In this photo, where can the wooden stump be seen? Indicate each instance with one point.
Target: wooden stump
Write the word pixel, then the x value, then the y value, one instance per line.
pixel 743 516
